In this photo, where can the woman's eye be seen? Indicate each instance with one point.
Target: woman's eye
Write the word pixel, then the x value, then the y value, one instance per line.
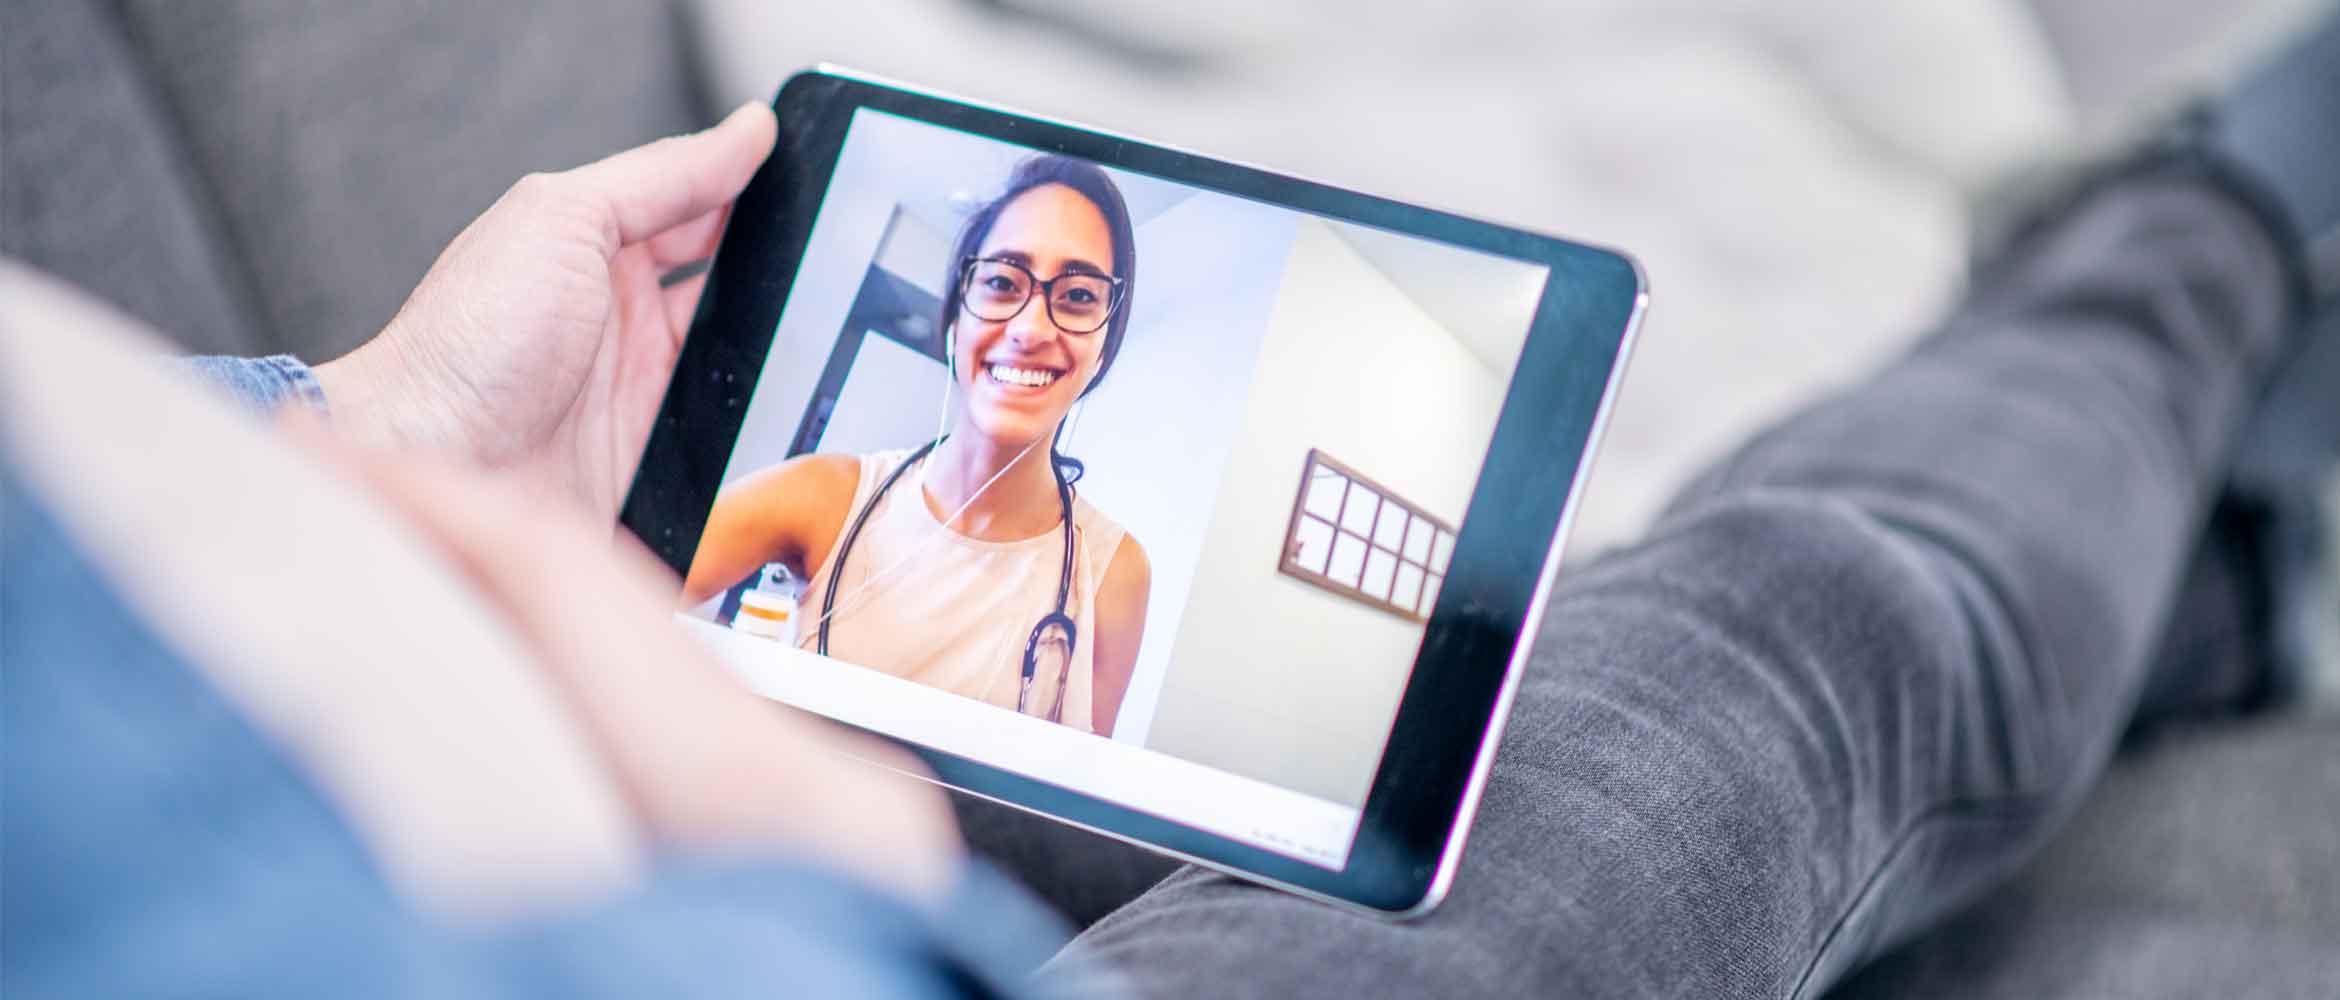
pixel 1080 297
pixel 1000 283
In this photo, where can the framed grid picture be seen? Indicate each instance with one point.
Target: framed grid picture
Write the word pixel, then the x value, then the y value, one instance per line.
pixel 1352 536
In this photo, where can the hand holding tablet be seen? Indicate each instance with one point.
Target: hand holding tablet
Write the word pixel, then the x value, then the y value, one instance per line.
pixel 1256 599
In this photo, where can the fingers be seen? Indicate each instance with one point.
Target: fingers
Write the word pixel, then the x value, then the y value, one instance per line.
pixel 694 240
pixel 650 189
pixel 710 766
pixel 653 704
pixel 551 571
pixel 682 302
pixel 644 304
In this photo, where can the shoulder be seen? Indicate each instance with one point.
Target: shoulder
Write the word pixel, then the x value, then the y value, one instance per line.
pixel 800 492
pixel 828 472
pixel 1129 573
pixel 1126 555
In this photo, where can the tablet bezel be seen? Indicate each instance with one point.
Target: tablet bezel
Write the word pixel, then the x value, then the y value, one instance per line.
pixel 1475 644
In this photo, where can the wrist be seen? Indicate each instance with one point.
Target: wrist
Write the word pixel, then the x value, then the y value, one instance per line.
pixel 378 396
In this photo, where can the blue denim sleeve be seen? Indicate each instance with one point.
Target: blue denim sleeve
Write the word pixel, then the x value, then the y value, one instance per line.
pixel 783 931
pixel 263 384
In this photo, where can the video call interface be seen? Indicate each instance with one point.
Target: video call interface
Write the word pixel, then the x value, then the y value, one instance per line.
pixel 1137 488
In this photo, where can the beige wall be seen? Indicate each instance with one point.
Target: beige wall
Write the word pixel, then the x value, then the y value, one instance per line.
pixel 1271 677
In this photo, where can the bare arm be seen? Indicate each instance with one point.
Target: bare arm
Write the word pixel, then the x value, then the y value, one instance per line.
pixel 789 513
pixel 1121 629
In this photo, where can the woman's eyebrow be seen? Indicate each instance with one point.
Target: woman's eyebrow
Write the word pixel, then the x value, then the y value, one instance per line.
pixel 1026 261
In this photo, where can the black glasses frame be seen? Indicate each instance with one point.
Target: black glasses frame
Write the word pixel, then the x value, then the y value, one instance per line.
pixel 1044 290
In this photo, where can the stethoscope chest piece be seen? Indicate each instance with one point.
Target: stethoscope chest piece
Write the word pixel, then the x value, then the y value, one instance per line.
pixel 1052 644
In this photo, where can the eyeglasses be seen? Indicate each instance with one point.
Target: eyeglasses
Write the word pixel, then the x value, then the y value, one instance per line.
pixel 995 291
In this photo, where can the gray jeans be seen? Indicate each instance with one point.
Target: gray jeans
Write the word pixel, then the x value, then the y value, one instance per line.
pixel 1857 672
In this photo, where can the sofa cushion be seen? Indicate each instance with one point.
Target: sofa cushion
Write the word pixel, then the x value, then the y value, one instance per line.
pixel 342 147
pixel 96 188
pixel 2207 863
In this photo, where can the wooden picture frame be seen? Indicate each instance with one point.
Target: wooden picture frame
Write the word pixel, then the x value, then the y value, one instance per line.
pixel 1350 535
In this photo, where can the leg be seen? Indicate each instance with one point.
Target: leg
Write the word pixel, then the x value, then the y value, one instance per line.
pixel 1082 875
pixel 1856 673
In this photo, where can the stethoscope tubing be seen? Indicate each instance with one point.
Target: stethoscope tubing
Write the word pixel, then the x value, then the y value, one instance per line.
pixel 1058 618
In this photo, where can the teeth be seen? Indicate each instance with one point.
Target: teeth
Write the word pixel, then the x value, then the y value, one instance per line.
pixel 1033 377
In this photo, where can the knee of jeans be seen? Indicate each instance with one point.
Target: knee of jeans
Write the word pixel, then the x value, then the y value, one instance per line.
pixel 1818 572
pixel 1782 631
pixel 1711 722
pixel 1886 641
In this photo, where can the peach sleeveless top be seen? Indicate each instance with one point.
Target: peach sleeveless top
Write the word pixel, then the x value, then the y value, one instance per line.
pixel 928 604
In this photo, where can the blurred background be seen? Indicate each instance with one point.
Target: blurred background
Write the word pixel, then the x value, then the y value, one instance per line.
pixel 1794 176
pixel 1802 181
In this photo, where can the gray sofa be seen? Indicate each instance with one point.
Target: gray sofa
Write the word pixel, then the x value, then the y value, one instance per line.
pixel 262 176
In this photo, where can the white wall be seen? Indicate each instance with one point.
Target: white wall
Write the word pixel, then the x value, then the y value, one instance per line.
pixel 917 252
pixel 845 238
pixel 892 398
pixel 1271 677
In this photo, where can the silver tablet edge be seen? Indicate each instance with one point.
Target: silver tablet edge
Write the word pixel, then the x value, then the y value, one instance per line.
pixel 874 79
pixel 1443 879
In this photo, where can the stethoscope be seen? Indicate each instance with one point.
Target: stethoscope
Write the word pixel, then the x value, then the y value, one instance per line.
pixel 1058 619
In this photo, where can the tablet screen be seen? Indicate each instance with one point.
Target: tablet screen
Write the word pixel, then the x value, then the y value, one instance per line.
pixel 1264 425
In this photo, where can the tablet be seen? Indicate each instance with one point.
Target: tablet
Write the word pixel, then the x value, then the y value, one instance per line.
pixel 1194 504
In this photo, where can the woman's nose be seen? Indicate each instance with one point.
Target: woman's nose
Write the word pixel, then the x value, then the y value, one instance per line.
pixel 1033 327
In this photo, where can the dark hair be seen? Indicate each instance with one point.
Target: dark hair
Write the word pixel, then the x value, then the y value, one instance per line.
pixel 1089 182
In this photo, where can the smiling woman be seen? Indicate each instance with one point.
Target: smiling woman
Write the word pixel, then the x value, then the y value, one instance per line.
pixel 971 563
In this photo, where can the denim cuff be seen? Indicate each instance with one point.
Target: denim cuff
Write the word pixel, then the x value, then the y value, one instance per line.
pixel 263 385
pixel 800 928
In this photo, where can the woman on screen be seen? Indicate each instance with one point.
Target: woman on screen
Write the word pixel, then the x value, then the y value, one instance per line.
pixel 971 563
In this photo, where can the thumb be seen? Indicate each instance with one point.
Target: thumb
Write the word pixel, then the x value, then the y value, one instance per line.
pixel 648 189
